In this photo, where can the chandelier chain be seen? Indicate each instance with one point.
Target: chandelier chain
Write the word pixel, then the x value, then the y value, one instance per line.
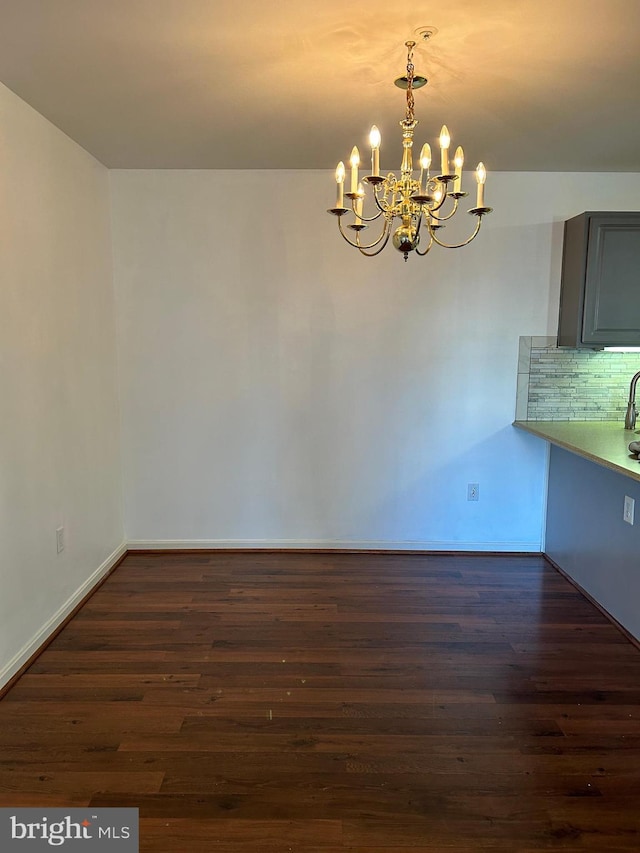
pixel 410 73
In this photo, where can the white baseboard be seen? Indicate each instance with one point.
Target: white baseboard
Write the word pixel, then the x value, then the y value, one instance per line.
pixel 332 544
pixel 18 661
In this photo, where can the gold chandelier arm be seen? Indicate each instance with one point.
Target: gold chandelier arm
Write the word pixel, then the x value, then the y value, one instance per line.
pixel 386 230
pixel 383 208
pixel 449 215
pixel 458 245
pixel 433 186
pixel 355 245
pixel 422 254
pixel 366 218
pixel 418 224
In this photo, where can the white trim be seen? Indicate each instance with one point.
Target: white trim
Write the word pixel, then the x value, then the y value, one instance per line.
pixel 331 544
pixel 18 661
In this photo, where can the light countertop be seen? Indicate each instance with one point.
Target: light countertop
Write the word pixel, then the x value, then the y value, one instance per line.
pixel 603 442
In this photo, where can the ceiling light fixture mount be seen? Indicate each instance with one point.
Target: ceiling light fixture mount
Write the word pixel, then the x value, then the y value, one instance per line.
pixel 425 33
pixel 417 204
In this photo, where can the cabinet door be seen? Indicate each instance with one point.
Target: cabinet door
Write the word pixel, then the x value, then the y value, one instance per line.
pixel 612 285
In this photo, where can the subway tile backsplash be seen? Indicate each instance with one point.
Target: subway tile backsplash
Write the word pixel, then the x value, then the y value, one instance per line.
pixel 572 384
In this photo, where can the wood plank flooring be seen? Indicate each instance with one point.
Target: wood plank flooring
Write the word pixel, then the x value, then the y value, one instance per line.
pixel 324 703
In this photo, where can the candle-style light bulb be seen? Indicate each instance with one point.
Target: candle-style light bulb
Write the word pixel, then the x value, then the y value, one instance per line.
pixel 458 161
pixel 374 141
pixel 425 156
pixel 425 162
pixel 481 177
pixel 355 162
pixel 340 183
pixel 445 142
pixel 359 203
pixel 438 198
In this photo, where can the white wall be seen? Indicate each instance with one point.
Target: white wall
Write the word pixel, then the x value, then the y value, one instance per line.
pixel 59 430
pixel 279 388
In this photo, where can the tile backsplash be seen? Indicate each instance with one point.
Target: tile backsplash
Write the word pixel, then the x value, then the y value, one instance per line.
pixel 572 384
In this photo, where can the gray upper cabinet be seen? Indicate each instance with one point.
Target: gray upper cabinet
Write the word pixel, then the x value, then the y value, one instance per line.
pixel 600 292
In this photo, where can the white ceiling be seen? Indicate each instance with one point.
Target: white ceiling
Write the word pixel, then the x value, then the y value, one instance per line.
pixel 546 85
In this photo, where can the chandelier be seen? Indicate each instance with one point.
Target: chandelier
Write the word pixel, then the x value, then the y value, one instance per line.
pixel 422 205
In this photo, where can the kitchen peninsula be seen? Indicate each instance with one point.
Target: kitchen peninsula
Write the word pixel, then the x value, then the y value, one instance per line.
pixel 591 472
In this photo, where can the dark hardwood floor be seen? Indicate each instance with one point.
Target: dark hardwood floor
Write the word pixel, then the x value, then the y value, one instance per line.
pixel 264 702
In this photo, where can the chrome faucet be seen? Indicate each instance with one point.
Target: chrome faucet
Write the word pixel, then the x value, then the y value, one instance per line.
pixel 630 417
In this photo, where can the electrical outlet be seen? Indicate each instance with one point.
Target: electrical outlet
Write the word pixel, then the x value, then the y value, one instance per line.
pixel 473 491
pixel 629 508
pixel 60 539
